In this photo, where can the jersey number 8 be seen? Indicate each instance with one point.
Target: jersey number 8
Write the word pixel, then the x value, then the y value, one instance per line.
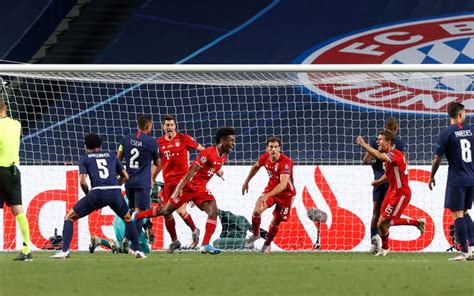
pixel 466 150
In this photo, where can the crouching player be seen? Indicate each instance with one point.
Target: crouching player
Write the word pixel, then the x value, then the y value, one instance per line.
pixel 102 168
pixel 280 191
pixel 193 186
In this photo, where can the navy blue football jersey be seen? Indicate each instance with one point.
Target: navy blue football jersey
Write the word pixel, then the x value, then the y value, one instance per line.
pixel 102 168
pixel 139 150
pixel 377 165
pixel 457 142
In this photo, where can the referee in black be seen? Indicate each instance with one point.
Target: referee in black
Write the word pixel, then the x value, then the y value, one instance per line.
pixel 10 178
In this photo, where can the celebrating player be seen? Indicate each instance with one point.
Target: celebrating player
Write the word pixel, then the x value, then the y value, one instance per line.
pixel 139 150
pixel 280 191
pixel 193 186
pixel 457 142
pixel 174 161
pixel 378 192
pixel 398 193
pixel 102 168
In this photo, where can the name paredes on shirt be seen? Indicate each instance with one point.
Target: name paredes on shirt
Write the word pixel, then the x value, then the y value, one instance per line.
pixel 463 133
pixel 136 143
pixel 98 155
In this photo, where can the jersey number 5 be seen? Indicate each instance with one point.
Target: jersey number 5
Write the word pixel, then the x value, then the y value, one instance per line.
pixel 466 150
pixel 103 170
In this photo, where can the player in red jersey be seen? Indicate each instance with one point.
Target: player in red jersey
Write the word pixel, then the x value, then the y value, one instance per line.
pixel 280 191
pixel 174 162
pixel 193 186
pixel 398 193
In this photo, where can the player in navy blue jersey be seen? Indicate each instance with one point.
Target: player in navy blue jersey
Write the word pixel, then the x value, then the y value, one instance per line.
pixel 380 188
pixel 139 150
pixel 102 168
pixel 457 143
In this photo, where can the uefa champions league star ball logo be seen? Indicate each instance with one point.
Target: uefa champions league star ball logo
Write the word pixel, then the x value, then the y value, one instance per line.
pixel 447 40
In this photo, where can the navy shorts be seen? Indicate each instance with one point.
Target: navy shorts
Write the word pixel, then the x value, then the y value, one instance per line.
pixel 458 198
pixel 99 198
pixel 379 192
pixel 139 198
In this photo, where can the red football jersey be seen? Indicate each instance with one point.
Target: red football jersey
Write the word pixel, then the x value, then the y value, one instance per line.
pixel 210 163
pixel 284 165
pixel 174 155
pixel 396 171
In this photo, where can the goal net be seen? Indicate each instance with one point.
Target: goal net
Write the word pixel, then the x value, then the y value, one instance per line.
pixel 317 112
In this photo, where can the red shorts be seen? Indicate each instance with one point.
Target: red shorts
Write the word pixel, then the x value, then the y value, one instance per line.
pixel 198 197
pixel 283 206
pixel 394 203
pixel 167 192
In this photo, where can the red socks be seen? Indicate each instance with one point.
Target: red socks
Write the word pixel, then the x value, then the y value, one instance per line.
pixel 210 228
pixel 147 213
pixel 272 232
pixel 256 225
pixel 189 221
pixel 385 240
pixel 171 227
pixel 405 221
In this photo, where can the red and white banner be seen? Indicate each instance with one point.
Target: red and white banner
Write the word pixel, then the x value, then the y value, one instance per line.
pixel 343 192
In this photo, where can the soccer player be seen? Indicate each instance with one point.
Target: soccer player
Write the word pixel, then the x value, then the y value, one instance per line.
pixel 120 245
pixel 10 177
pixel 174 161
pixel 280 191
pixel 139 150
pixel 378 192
pixel 398 193
pixel 193 186
pixel 457 142
pixel 102 168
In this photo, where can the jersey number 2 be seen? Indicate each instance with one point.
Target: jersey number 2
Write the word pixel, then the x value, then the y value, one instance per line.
pixel 466 150
pixel 133 159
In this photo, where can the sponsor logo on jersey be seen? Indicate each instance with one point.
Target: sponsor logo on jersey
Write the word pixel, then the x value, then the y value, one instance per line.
pixel 447 40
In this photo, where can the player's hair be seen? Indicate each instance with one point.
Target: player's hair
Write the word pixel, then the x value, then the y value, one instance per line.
pixel 224 132
pixel 391 123
pixel 143 121
pixel 169 117
pixel 388 134
pixel 93 141
pixel 273 139
pixel 454 108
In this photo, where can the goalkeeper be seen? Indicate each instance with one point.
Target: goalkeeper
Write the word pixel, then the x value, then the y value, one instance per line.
pixel 121 244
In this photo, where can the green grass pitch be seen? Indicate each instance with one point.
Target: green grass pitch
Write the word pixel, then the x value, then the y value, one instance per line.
pixel 103 273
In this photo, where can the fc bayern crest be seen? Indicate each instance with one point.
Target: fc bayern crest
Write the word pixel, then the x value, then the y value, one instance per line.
pixel 447 40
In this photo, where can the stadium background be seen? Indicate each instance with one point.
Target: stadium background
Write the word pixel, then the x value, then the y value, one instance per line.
pixel 265 32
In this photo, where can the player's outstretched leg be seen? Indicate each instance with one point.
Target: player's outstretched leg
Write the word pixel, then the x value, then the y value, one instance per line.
pixel 68 230
pixel 210 208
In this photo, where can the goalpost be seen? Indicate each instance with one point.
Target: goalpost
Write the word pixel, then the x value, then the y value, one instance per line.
pixel 317 111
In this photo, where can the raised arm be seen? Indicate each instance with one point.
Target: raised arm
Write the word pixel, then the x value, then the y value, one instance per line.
pixel 373 152
pixel 253 171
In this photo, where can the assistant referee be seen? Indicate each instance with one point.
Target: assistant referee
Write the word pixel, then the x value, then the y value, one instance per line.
pixel 10 178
